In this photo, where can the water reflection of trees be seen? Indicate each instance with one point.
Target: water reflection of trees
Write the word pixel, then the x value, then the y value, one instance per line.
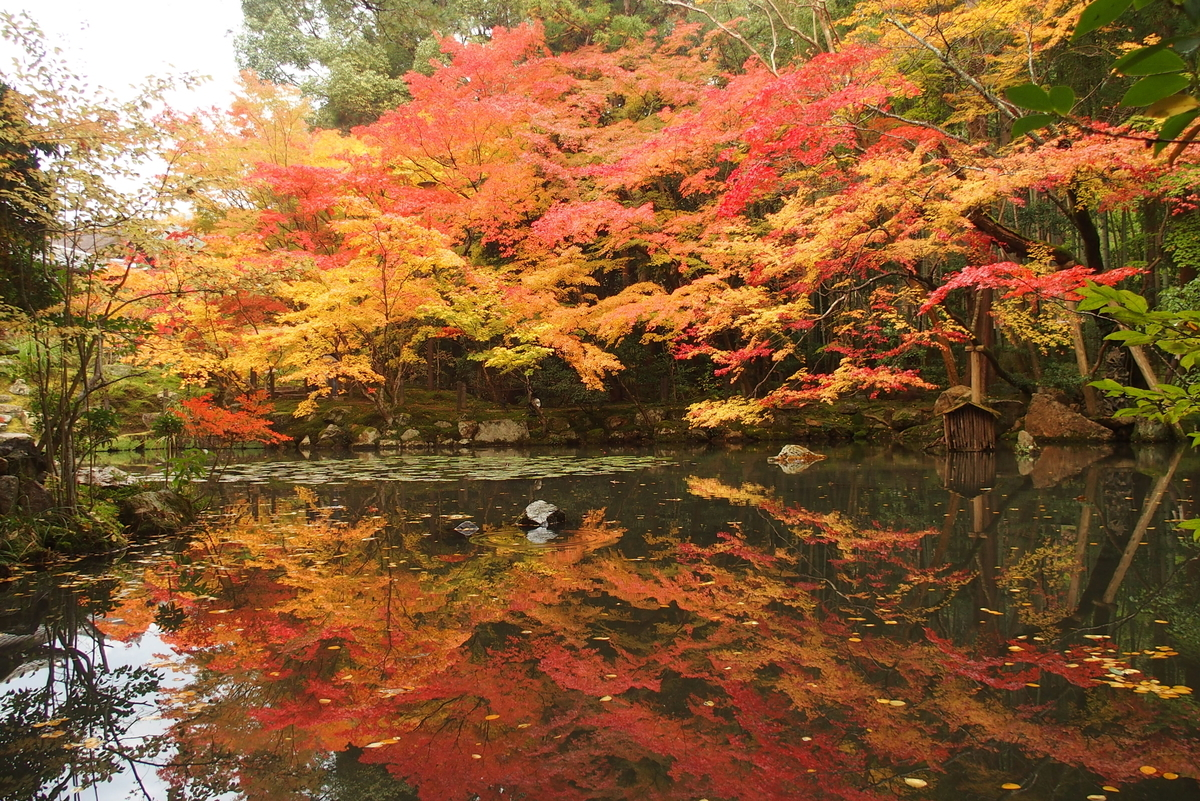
pixel 834 659
pixel 799 649
pixel 69 725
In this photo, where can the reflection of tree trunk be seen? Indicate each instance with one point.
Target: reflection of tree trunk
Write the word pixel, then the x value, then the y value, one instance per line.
pixel 943 545
pixel 987 549
pixel 1082 534
pixel 1139 531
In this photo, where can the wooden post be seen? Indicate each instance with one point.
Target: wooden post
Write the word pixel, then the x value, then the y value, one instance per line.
pixel 976 375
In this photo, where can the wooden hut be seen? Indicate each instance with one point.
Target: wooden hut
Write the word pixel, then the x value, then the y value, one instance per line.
pixel 970 427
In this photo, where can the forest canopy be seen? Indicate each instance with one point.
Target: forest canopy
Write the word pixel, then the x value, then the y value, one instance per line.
pixel 749 206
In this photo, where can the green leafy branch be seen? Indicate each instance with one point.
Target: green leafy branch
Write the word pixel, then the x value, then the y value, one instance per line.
pixel 1161 69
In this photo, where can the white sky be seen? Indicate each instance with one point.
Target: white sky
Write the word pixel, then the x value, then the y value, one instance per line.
pixel 116 43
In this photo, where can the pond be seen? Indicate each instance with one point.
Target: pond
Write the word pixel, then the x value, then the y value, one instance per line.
pixel 706 625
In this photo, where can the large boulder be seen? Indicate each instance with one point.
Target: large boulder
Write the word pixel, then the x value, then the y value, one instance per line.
pixel 10 493
pixel 502 431
pixel 156 512
pixel 467 429
pixel 21 455
pixel 333 436
pixel 1048 419
pixel 904 419
pixel 366 437
pixel 18 494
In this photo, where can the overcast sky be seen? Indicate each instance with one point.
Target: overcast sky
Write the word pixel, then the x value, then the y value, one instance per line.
pixel 116 43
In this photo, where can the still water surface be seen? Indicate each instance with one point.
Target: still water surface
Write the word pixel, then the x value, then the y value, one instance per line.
pixel 705 626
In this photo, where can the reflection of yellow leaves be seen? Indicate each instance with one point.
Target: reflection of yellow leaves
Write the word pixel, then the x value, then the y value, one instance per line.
pixel 50 735
pixel 715 489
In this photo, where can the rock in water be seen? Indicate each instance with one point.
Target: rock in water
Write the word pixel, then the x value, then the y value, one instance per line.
pixel 157 512
pixel 541 514
pixel 795 454
pixel 104 477
pixel 467 528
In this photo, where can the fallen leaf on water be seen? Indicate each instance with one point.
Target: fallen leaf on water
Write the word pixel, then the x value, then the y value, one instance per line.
pixel 1010 786
pixel 524 725
pixel 491 717
pixel 1149 770
pixel 918 783
pixel 709 703
pixel 526 631
pixel 896 703
pixel 610 675
pixel 382 743
pixel 606 698
pixel 856 639
pixel 476 756
pixel 601 638
pixel 1097 798
pixel 334 648
pixel 324 700
pixel 1170 776
pixel 1108 788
